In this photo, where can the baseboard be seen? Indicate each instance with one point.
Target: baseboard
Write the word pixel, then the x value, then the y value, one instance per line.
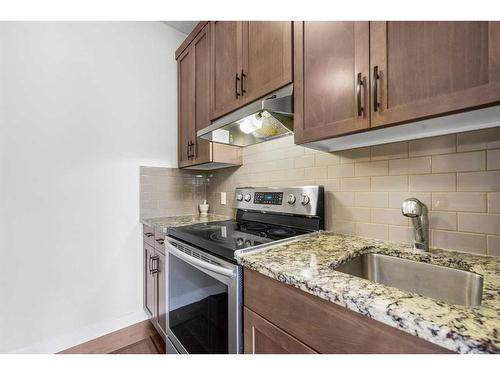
pixel 84 334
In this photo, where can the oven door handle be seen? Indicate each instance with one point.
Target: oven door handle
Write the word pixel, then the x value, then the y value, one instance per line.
pixel 200 263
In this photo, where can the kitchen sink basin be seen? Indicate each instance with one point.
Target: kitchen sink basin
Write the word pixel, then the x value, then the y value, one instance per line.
pixel 443 283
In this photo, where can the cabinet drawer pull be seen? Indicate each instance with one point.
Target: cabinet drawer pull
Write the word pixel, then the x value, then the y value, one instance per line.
pixel 236 85
pixel 149 234
pixel 161 241
pixel 243 76
pixel 376 90
pixel 360 94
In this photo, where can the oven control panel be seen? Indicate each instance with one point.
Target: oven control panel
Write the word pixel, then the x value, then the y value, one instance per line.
pixel 301 200
pixel 274 198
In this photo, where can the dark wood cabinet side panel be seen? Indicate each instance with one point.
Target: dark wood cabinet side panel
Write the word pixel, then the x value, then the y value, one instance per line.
pixel 322 325
pixel 263 337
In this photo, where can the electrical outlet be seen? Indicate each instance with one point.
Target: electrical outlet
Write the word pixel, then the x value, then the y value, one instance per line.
pixel 222 197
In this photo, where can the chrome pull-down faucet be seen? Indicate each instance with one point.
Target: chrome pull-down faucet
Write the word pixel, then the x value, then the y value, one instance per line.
pixel 417 211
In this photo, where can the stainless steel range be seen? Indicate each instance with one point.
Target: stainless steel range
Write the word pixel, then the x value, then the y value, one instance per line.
pixel 204 283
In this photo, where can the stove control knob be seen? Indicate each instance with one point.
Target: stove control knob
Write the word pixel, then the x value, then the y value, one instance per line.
pixel 248 197
pixel 239 197
pixel 291 199
pixel 305 200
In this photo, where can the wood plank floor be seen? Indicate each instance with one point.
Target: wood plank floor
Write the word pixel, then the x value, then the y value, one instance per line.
pixel 140 338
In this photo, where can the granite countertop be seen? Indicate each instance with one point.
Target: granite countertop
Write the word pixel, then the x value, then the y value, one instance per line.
pixel 162 223
pixel 308 265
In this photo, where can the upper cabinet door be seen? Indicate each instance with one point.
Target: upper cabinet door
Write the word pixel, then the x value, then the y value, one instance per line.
pixel 186 106
pixel 226 67
pixel 425 69
pixel 331 79
pixel 267 57
pixel 201 51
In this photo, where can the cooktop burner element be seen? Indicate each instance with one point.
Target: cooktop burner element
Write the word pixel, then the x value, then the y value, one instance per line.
pixel 281 232
pixel 264 216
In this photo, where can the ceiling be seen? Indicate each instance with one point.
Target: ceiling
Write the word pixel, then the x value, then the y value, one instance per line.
pixel 183 26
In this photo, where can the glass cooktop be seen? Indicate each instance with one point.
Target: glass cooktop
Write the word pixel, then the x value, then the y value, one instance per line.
pixel 223 238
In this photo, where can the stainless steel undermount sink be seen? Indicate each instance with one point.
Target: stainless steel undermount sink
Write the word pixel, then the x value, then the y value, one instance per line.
pixel 450 285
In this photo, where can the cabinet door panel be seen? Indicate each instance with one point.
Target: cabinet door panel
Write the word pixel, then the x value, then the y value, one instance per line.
pixel 263 337
pixel 328 58
pixel 161 297
pixel 186 104
pixel 267 55
pixel 201 50
pixel 226 64
pixel 149 281
pixel 433 68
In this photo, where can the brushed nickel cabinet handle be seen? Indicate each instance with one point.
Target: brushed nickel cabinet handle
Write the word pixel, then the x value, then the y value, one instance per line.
pixel 376 81
pixel 154 265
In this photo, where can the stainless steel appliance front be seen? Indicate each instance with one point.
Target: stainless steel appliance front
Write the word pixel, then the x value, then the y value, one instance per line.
pixel 204 301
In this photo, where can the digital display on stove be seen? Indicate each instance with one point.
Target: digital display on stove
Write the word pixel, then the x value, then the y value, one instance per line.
pixel 275 198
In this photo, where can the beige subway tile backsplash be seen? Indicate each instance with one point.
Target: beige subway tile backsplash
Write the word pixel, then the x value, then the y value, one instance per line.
pixel 494 203
pixel 372 168
pixel 456 176
pixel 389 183
pixel 493 159
pixel 355 184
pixel 418 165
pixel 478 181
pixel 479 223
pixel 341 170
pixel 433 182
pixel 469 202
pixel 468 242
pixel 462 162
pixel 371 199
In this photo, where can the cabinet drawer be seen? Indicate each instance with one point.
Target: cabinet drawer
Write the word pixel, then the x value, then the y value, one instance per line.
pixel 324 326
pixel 148 234
pixel 263 337
pixel 159 244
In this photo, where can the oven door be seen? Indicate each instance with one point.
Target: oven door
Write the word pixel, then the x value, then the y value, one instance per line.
pixel 203 301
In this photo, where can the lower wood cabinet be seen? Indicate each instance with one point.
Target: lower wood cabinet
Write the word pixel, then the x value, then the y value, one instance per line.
pixel 283 319
pixel 154 280
pixel 263 337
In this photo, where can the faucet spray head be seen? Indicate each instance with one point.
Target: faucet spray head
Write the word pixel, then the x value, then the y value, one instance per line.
pixel 412 207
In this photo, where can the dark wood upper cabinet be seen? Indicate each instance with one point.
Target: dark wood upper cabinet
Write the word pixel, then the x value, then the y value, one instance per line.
pixel 227 44
pixel 249 60
pixel 195 101
pixel 267 57
pixel 186 105
pixel 427 69
pixel 201 50
pixel 331 79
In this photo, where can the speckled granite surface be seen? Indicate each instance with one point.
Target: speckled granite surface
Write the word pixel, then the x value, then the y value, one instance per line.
pixel 162 223
pixel 308 265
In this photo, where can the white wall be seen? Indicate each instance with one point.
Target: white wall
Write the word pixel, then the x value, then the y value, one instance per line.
pixel 83 105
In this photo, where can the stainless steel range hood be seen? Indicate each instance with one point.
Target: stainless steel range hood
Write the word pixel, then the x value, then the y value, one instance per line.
pixel 259 121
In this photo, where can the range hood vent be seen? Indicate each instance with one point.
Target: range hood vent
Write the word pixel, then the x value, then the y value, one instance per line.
pixel 256 122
